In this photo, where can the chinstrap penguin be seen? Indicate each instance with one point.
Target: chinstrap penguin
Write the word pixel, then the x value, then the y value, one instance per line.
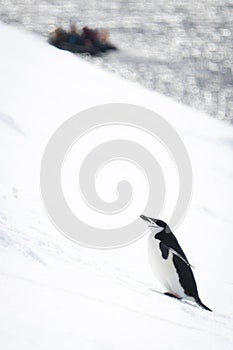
pixel 169 263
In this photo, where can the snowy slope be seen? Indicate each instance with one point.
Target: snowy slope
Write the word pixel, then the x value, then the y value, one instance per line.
pixel 56 294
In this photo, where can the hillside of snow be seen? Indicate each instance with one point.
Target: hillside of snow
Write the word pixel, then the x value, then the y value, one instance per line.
pixel 56 294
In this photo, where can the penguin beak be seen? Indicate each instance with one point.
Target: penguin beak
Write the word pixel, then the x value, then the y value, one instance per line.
pixel 151 222
pixel 143 217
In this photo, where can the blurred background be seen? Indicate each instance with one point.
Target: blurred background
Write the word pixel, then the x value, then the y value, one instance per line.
pixel 180 48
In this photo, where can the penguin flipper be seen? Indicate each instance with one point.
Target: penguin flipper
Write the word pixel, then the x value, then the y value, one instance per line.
pixel 164 247
pixel 181 257
pixel 172 244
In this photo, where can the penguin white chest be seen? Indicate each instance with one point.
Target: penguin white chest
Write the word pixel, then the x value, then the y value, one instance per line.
pixel 163 267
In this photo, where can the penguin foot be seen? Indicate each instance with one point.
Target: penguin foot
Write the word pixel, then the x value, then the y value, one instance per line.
pixel 172 295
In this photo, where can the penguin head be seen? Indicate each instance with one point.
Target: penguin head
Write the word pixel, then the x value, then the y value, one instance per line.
pixel 159 227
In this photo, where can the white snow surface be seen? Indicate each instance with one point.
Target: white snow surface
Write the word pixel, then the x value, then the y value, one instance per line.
pixel 56 294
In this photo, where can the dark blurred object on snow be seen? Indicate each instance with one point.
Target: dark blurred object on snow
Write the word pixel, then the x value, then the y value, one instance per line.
pixel 87 40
